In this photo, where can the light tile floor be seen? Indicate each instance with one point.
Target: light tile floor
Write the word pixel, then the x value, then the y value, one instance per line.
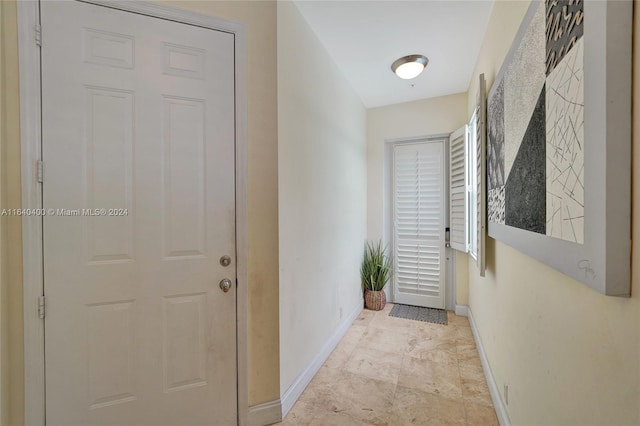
pixel 396 372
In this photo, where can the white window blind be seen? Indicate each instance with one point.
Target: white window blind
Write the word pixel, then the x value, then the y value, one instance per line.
pixel 458 186
pixel 419 224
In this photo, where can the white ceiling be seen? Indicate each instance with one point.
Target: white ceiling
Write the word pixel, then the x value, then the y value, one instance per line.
pixel 364 37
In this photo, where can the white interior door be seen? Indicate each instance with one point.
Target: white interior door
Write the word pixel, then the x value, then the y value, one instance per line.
pixel 419 224
pixel 138 120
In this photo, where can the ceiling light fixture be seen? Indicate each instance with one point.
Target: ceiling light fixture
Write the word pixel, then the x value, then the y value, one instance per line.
pixel 410 66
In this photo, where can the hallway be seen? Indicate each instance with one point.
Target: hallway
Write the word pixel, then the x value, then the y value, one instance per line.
pixel 392 371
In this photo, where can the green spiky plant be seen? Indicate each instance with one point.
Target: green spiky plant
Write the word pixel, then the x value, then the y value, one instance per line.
pixel 376 267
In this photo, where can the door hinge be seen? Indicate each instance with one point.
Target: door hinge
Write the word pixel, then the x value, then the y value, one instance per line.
pixel 39 171
pixel 38 35
pixel 41 307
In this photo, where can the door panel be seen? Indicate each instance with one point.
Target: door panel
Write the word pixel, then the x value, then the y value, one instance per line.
pixel 418 224
pixel 138 119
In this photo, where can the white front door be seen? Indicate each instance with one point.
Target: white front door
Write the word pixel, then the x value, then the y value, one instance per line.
pixel 138 152
pixel 419 224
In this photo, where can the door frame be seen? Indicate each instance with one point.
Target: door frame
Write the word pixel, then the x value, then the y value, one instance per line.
pixel 31 149
pixel 387 213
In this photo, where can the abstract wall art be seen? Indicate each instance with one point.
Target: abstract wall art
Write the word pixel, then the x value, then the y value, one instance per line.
pixel 559 140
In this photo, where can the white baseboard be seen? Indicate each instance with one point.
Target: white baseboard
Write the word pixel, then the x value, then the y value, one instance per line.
pixel 265 414
pixel 496 396
pixel 462 310
pixel 292 394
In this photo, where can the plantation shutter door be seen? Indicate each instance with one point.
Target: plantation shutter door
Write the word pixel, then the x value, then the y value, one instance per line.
pixel 481 152
pixel 419 199
pixel 458 189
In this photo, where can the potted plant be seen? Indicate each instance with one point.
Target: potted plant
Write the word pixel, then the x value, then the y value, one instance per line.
pixel 375 272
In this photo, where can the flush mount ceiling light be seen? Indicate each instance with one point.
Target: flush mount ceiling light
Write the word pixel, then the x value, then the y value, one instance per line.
pixel 410 66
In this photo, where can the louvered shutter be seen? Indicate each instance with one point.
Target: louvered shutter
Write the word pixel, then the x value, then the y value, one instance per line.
pixel 419 224
pixel 481 152
pixel 458 210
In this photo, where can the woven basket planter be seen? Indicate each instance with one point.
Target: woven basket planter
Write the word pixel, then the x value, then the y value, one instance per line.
pixel 375 300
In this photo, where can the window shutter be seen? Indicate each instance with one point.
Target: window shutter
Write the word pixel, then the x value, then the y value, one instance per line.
pixel 458 211
pixel 481 152
pixel 418 196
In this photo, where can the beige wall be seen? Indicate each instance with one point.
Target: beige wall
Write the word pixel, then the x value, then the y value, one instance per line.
pixel 434 116
pixel 322 194
pixel 570 356
pixel 263 374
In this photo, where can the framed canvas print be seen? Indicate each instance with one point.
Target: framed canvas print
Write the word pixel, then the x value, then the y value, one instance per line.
pixel 559 141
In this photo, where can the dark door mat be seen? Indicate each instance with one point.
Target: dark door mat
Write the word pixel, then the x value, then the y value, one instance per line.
pixel 418 313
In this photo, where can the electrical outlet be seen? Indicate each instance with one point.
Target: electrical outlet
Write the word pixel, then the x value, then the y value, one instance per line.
pixel 506 394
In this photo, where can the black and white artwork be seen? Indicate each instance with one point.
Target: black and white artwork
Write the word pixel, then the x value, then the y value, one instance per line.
pixel 495 211
pixel 550 161
pixel 495 155
pixel 535 126
pixel 565 142
pixel 525 190
pixel 495 146
pixel 564 28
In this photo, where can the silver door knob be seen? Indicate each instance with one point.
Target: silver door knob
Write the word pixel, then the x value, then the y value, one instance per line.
pixel 225 284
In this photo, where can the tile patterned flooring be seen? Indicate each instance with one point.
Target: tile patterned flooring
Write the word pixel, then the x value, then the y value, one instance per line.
pixel 395 372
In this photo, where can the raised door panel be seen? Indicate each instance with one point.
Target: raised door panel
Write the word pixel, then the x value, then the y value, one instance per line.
pixel 184 177
pixel 109 162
